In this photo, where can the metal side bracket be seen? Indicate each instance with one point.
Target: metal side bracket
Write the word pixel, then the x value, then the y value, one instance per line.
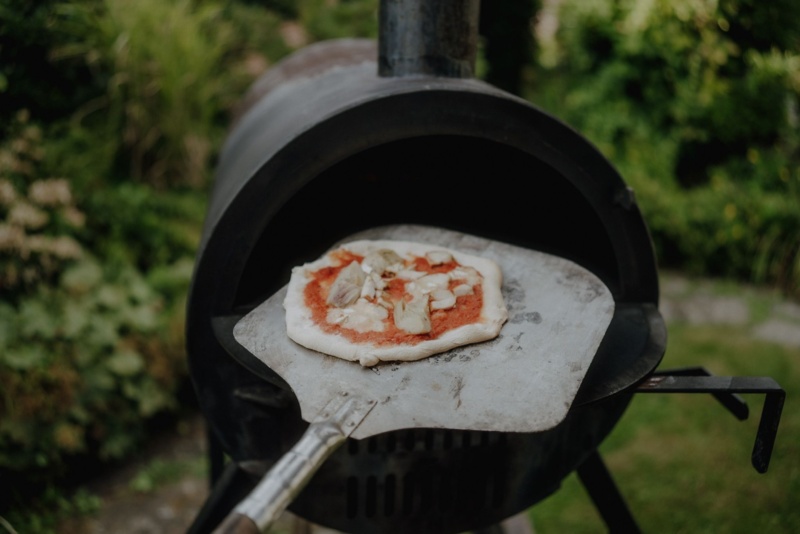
pixel 726 389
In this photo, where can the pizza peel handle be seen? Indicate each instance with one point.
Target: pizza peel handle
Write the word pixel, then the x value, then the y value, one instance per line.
pixel 289 476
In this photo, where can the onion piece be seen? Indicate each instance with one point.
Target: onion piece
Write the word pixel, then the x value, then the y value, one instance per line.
pixel 438 257
pixel 443 299
pixel 381 260
pixel 432 282
pixel 413 317
pixel 409 274
pixel 346 289
pixel 470 275
pixel 362 317
pixel 462 290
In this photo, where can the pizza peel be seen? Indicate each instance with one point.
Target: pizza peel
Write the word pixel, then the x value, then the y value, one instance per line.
pixel 524 380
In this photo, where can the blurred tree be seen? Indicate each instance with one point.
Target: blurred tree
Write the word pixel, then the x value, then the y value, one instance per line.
pixel 30 76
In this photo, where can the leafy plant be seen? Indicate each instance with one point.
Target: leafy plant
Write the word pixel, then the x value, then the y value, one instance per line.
pixel 332 20
pixel 46 512
pixel 695 102
pixel 166 82
pixel 29 32
pixel 88 351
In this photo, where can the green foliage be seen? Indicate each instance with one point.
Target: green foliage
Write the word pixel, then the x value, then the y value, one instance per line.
pixel 696 103
pixel 100 214
pixel 160 472
pixel 331 20
pixel 46 512
pixel 38 217
pixel 103 189
pixel 165 63
pixel 29 32
pixel 88 350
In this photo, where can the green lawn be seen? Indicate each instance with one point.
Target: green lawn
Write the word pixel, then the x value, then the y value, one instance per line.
pixel 682 461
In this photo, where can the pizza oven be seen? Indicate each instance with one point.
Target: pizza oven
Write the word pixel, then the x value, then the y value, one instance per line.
pixel 353 137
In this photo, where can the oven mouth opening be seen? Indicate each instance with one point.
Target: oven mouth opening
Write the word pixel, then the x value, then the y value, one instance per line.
pixel 460 183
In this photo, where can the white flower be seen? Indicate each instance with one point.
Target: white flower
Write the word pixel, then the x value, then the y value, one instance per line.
pixel 7 193
pixel 52 192
pixel 27 216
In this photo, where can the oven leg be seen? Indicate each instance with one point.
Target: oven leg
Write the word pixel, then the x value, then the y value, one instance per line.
pixel 606 496
pixel 216 458
pixel 231 486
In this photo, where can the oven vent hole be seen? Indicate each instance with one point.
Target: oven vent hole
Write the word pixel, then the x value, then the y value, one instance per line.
pixel 408 494
pixel 424 440
pixel 389 495
pixel 391 442
pixel 425 493
pixel 352 497
pixel 408 440
pixel 447 442
pixel 430 440
pixel 371 497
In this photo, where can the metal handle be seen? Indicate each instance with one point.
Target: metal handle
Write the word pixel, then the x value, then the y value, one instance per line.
pixel 290 475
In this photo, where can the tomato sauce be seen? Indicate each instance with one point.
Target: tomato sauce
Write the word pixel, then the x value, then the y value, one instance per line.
pixel 466 311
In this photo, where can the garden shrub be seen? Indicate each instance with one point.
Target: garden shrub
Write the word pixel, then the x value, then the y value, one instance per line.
pixel 102 197
pixel 91 341
pixel 165 82
pixel 333 20
pixel 696 103
pixel 30 32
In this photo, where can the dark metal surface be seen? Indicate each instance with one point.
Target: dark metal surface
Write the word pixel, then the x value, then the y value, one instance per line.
pixel 724 388
pixel 605 495
pixel 319 136
pixel 436 481
pixel 348 134
pixel 428 37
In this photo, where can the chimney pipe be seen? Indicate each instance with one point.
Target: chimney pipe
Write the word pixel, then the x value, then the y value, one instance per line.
pixel 428 37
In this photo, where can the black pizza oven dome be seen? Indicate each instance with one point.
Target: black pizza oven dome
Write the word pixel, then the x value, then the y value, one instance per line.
pixel 325 147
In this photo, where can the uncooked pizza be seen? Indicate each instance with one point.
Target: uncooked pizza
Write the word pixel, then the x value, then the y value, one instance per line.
pixel 374 301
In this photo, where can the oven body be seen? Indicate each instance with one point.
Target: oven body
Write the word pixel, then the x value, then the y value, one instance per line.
pixel 325 147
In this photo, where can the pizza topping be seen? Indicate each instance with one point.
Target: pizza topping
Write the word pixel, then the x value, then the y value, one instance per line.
pixel 364 300
pixel 362 317
pixel 410 274
pixel 413 316
pixel 462 290
pixel 382 260
pixel 368 288
pixel 468 274
pixel 429 283
pixel 346 289
pixel 442 299
pixel 438 257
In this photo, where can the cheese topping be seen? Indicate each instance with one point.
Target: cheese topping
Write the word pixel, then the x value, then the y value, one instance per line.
pixel 358 296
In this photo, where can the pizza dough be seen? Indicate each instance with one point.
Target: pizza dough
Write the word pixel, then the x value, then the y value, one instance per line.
pixel 373 301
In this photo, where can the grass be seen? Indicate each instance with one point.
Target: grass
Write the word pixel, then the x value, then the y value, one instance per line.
pixel 683 463
pixel 160 472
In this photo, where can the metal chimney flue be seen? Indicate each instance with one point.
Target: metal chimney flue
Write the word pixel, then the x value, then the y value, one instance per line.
pixel 428 37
